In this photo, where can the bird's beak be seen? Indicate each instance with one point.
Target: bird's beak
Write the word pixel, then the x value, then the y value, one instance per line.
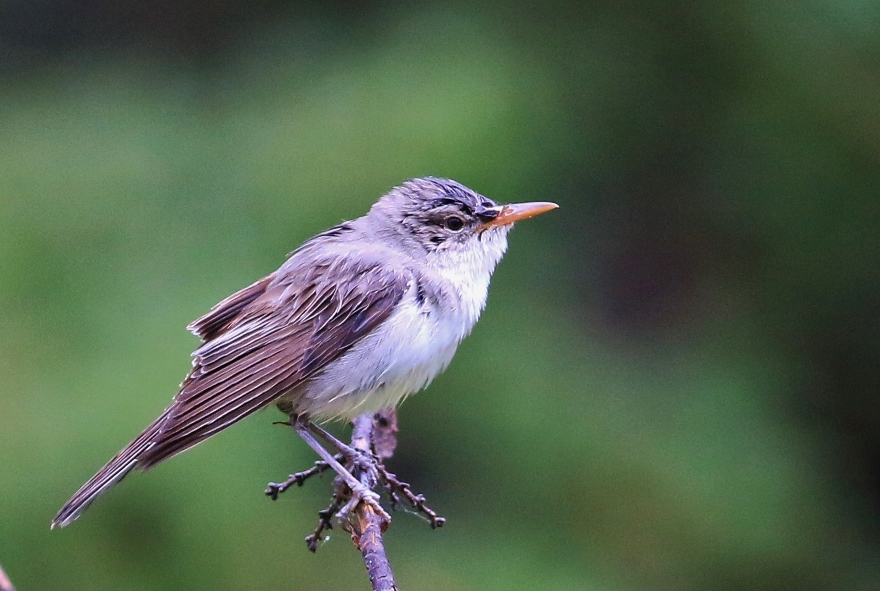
pixel 515 212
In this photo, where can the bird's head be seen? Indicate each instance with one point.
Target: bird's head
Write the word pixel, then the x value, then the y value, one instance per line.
pixel 442 219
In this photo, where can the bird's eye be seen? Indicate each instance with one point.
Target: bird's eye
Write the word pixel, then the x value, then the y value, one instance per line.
pixel 454 223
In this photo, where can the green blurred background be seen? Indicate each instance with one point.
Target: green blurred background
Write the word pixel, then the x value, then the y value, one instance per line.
pixel 674 385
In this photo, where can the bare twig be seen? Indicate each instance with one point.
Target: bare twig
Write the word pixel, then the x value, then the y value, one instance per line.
pixel 5 583
pixel 368 527
pixel 397 489
pixel 325 522
pixel 276 488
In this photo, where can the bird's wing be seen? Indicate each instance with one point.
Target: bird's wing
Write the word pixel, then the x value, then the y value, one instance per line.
pixel 215 322
pixel 259 343
pixel 275 341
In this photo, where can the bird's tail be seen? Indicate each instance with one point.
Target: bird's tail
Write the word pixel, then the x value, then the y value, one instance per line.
pixel 115 470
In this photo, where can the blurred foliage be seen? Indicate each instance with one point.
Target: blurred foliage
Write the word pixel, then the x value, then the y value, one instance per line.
pixel 674 385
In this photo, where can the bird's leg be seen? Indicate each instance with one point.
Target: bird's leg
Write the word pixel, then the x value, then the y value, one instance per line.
pixel 363 460
pixel 359 491
pixel 398 490
pixel 329 437
pixel 359 468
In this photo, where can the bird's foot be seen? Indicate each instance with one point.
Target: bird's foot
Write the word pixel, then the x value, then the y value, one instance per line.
pixel 369 498
pixel 343 506
pixel 360 470
pixel 367 468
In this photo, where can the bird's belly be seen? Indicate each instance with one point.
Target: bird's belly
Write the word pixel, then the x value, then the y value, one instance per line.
pixel 400 358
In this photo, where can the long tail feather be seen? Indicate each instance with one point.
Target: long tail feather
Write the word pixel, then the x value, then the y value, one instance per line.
pixel 115 470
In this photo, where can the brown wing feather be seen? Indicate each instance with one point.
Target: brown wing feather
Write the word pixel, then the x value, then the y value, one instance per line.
pixel 214 322
pixel 358 312
pixel 260 343
pixel 285 335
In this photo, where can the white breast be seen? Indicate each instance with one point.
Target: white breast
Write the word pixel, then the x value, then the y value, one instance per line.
pixel 414 344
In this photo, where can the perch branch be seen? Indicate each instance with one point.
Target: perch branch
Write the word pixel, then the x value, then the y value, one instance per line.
pixel 367 526
pixel 373 439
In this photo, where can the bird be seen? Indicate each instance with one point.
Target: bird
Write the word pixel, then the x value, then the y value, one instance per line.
pixel 356 319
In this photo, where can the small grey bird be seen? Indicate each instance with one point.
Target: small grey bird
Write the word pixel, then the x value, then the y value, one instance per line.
pixel 355 320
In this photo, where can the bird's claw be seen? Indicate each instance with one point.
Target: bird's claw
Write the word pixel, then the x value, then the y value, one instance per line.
pixel 370 498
